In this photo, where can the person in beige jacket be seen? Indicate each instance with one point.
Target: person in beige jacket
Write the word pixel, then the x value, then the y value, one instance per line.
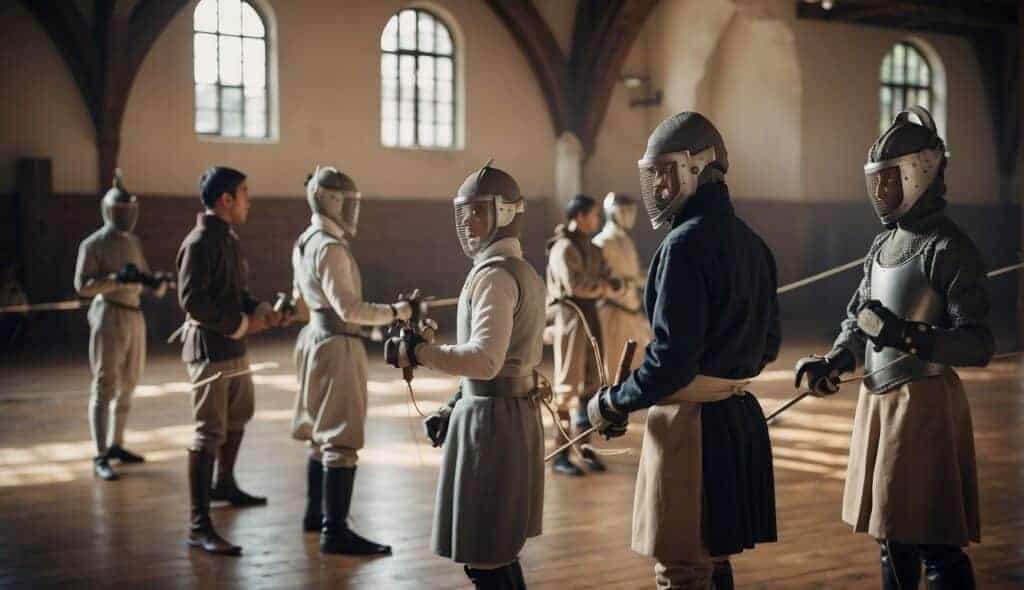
pixel 577 278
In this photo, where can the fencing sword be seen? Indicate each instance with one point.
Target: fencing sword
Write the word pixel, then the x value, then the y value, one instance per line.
pixel 68 305
pixel 625 362
pixel 253 368
pixel 793 401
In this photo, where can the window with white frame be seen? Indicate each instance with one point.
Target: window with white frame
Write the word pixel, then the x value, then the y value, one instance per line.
pixel 417 70
pixel 907 80
pixel 231 70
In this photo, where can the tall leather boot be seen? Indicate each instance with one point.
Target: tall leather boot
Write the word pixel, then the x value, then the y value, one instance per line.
pixel 201 533
pixel 721 576
pixel 336 537
pixel 502 578
pixel 314 517
pixel 901 566
pixel 946 568
pixel 227 488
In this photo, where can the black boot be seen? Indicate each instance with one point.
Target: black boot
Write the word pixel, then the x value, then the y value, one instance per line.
pixel 502 578
pixel 227 488
pixel 102 469
pixel 563 466
pixel 592 461
pixel 201 532
pixel 124 455
pixel 517 575
pixel 901 566
pixel 314 517
pixel 336 537
pixel 946 568
pixel 721 577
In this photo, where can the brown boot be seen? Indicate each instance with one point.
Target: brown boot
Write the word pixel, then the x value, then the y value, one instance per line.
pixel 201 532
pixel 226 488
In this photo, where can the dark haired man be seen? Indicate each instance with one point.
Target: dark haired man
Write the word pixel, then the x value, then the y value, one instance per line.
pixel 220 313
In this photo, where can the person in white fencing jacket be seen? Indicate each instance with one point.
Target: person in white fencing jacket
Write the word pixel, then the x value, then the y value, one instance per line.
pixel 330 407
pixel 113 271
pixel 490 495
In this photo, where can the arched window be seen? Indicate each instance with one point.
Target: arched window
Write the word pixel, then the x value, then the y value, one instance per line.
pixel 230 44
pixel 907 80
pixel 417 71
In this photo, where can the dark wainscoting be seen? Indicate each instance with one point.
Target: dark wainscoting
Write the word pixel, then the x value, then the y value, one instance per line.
pixel 406 244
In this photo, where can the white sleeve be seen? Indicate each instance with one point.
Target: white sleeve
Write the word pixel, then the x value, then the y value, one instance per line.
pixel 337 272
pixel 89 281
pixel 482 356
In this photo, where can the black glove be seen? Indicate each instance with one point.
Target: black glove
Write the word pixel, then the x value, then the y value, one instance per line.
pixel 283 304
pixel 823 371
pixel 129 273
pixel 155 280
pixel 605 417
pixel 400 351
pixel 436 425
pixel 885 328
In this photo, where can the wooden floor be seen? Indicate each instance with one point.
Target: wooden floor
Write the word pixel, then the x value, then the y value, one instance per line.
pixel 60 527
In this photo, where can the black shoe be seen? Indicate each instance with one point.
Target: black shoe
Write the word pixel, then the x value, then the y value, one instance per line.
pixel 563 466
pixel 314 517
pixel 230 492
pixel 124 455
pixel 336 537
pixel 102 469
pixel 502 578
pixel 592 461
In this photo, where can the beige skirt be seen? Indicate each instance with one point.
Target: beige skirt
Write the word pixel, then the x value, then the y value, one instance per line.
pixel 912 475
pixel 668 503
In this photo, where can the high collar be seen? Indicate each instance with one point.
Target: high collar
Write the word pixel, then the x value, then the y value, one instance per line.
pixel 923 215
pixel 328 226
pixel 710 199
pixel 507 247
pixel 212 223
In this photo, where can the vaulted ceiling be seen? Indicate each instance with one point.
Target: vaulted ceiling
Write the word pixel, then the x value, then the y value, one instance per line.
pixel 104 42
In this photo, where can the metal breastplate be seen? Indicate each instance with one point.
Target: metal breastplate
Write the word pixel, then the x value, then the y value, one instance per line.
pixel 906 290
pixel 525 349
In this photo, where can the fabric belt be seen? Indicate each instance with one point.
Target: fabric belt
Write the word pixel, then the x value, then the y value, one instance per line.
pixel 119 305
pixel 327 320
pixel 704 389
pixel 501 387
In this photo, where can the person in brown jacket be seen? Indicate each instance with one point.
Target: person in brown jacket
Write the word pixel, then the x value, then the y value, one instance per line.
pixel 220 313
pixel 576 274
pixel 920 310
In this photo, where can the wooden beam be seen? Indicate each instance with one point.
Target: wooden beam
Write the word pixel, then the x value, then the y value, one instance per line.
pixel 105 58
pixel 599 53
pixel 540 47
